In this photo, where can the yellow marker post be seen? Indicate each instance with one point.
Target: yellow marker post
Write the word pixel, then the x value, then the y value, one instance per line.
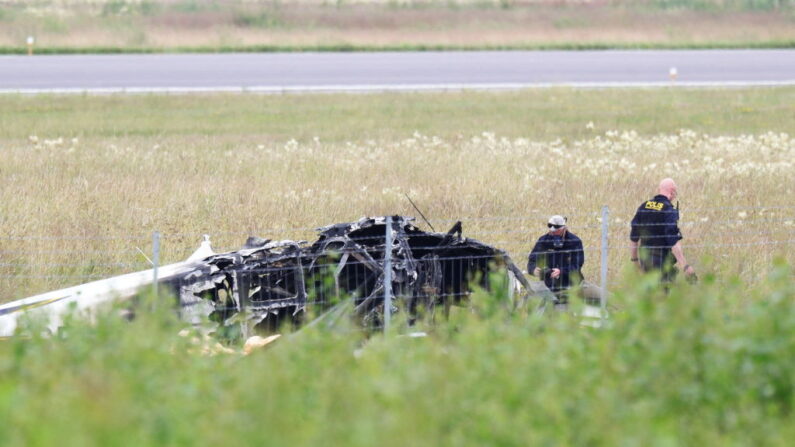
pixel 31 41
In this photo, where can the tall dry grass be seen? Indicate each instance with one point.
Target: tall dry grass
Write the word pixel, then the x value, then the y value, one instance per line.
pixel 83 203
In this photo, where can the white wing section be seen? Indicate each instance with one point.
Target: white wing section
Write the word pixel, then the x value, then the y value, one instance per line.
pixel 204 251
pixel 85 297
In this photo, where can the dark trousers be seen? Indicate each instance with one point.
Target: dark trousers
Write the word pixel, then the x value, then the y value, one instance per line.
pixel 659 260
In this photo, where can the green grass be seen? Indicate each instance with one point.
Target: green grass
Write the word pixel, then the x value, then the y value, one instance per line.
pixel 364 48
pixel 535 114
pixel 708 365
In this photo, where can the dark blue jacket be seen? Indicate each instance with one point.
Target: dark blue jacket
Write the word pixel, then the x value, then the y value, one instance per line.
pixel 564 253
pixel 655 226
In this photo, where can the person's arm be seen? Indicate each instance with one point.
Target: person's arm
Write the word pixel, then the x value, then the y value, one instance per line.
pixel 575 262
pixel 679 254
pixel 633 251
pixel 634 239
pixel 577 258
pixel 674 236
pixel 532 260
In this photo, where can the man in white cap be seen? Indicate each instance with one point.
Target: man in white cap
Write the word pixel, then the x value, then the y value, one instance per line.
pixel 557 258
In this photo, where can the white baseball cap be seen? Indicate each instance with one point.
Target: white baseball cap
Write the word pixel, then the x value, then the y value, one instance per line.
pixel 558 221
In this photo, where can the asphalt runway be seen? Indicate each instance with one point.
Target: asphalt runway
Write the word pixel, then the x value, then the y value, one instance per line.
pixel 306 72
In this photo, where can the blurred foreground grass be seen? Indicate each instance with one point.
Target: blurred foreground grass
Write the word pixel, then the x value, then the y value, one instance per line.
pixel 708 365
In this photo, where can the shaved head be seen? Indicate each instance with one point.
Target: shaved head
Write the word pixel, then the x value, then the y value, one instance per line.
pixel 668 188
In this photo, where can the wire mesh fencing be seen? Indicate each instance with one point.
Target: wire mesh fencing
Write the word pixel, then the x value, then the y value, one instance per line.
pixel 423 270
pixel 376 267
pixel 266 298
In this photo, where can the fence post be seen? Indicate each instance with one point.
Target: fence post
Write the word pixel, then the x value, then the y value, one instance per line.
pixel 387 273
pixel 603 295
pixel 155 260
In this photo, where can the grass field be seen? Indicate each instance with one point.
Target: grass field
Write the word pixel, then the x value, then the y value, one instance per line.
pixel 212 25
pixel 710 365
pixel 86 180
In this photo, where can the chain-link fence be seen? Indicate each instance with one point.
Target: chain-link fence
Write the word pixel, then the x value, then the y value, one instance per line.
pixel 383 267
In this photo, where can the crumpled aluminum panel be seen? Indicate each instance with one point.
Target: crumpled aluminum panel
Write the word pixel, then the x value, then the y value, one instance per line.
pixel 267 283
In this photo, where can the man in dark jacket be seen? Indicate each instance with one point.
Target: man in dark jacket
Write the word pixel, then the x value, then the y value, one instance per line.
pixel 656 237
pixel 557 258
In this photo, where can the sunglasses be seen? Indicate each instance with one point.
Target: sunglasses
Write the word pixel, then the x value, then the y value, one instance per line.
pixel 557 227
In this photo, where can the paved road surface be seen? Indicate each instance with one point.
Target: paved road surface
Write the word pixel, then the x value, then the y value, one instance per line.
pixel 392 71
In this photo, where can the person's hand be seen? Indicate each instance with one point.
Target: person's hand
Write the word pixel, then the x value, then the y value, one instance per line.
pixel 690 275
pixel 537 272
pixel 555 273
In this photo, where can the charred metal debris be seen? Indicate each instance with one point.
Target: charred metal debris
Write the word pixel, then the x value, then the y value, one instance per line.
pixel 267 283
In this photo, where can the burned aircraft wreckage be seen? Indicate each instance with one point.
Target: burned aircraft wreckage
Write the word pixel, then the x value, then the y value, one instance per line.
pixel 270 282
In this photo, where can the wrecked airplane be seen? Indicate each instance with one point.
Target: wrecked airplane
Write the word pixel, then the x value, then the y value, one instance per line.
pixel 273 282
pixel 268 283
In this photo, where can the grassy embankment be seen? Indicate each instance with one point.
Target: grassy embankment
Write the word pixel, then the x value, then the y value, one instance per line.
pixel 212 26
pixel 86 180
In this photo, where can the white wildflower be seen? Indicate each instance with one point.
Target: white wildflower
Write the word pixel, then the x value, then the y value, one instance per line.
pixel 54 142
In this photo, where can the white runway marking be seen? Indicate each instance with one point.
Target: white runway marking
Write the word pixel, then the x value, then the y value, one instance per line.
pixel 379 88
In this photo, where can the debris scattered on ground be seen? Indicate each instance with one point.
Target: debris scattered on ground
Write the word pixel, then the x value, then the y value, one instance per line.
pixel 257 342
